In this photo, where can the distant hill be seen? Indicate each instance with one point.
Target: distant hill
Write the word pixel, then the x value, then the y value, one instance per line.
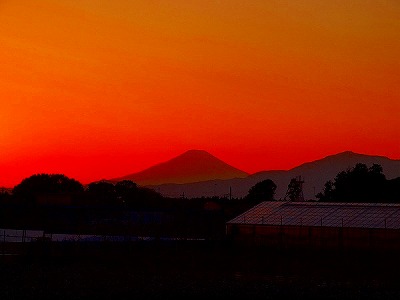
pixel 191 166
pixel 314 174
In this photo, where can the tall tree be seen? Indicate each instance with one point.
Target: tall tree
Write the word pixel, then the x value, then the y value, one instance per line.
pixel 262 191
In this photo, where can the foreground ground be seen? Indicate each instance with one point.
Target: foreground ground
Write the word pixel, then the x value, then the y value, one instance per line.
pixel 195 270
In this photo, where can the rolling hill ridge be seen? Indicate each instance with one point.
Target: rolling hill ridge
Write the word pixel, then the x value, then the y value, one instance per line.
pixel 315 174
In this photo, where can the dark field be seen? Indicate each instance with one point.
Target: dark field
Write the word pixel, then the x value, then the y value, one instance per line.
pixel 194 269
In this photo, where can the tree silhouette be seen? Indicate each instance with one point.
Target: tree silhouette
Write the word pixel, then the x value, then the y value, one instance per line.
pixel 358 184
pixel 38 185
pixel 392 190
pixel 126 191
pixel 262 191
pixel 101 193
pixel 4 196
pixel 147 198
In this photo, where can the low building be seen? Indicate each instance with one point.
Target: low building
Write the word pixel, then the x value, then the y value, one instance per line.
pixel 318 225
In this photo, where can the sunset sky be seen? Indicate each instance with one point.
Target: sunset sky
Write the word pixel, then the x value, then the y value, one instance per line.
pixel 100 89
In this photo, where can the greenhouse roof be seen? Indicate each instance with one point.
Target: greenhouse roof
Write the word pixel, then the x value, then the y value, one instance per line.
pixel 326 214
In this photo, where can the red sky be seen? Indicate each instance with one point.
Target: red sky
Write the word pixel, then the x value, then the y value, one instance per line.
pixel 100 89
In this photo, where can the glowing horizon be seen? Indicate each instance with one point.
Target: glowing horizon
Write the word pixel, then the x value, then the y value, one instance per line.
pixel 101 89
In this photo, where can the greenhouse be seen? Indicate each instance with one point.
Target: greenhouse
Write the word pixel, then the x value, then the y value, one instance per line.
pixel 318 225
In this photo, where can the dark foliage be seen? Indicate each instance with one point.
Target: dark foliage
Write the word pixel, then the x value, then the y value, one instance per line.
pixel 392 190
pixel 100 193
pixel 262 191
pixel 122 207
pixel 5 196
pixel 361 184
pixel 125 194
pixel 48 185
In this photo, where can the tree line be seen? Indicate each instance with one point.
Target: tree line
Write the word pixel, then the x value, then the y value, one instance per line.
pixel 357 184
pixel 55 202
pixel 58 189
pixel 361 184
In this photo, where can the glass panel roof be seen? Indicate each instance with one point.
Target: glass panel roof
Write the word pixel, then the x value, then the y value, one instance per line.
pixel 360 215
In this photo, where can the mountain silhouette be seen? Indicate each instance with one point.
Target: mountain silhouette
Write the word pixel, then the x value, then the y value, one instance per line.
pixel 315 174
pixel 191 166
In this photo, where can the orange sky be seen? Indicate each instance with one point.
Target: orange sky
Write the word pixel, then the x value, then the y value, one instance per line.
pixel 99 89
